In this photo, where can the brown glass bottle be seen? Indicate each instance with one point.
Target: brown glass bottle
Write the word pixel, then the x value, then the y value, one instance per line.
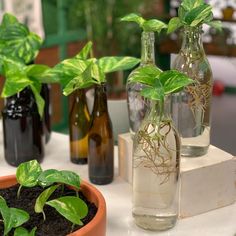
pixel 79 123
pixel 45 93
pixel 100 140
pixel 22 129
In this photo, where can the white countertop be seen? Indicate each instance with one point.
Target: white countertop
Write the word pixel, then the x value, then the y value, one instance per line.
pixel 221 222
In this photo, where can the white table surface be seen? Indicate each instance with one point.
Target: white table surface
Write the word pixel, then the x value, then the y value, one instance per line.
pixel 221 222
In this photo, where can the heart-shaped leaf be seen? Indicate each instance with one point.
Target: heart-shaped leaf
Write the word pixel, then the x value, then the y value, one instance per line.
pixel 43 197
pixel 111 64
pixel 132 17
pixel 146 75
pixel 17 41
pixel 27 173
pixel 51 176
pixel 24 232
pixel 154 25
pixel 72 208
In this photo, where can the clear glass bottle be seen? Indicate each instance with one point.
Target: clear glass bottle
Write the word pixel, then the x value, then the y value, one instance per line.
pixel 22 129
pixel 100 140
pixel 191 107
pixel 156 166
pixel 79 123
pixel 137 104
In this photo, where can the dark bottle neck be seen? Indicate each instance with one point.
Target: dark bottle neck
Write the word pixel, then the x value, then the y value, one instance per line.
pixel 147 48
pixel 192 41
pixel 100 99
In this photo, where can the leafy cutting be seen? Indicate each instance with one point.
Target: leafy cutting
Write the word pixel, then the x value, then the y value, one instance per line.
pixel 158 83
pixel 152 25
pixel 82 72
pixel 17 41
pixel 193 13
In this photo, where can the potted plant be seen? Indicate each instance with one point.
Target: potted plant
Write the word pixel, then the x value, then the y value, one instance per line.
pixel 156 151
pixel 60 190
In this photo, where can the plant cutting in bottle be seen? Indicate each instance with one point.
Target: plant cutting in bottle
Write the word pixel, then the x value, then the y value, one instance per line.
pixel 153 136
pixel 30 174
pixel 82 72
pixel 193 14
pixel 194 102
pixel 19 47
pixel 152 25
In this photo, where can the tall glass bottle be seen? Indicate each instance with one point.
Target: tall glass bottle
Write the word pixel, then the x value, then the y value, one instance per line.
pixel 45 93
pixel 192 106
pixel 22 129
pixel 79 123
pixel 100 140
pixel 137 104
pixel 156 165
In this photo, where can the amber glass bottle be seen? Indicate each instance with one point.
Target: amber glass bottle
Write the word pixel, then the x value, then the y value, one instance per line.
pixel 79 123
pixel 22 129
pixel 100 140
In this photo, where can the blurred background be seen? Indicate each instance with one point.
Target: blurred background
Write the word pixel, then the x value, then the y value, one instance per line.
pixel 66 26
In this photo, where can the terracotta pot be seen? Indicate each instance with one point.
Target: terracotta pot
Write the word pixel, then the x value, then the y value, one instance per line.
pixel 97 226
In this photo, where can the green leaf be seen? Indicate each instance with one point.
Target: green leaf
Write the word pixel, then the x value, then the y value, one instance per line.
pixel 43 197
pixel 36 71
pixel 190 4
pixel 16 78
pixel 17 41
pixel 174 81
pixel 72 208
pixel 51 176
pixel 111 64
pixel 197 15
pixel 145 75
pixel 12 217
pixel 36 89
pixel 98 74
pixel 217 24
pixel 153 93
pixel 24 232
pixel 84 80
pixel 154 25
pixel 83 54
pixel 27 173
pixel 18 217
pixel 134 18
pixel 174 24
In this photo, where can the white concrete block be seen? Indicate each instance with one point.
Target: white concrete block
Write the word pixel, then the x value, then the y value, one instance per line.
pixel 206 183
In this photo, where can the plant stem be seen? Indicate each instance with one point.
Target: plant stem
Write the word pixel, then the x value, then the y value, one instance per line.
pixel 18 191
pixel 72 228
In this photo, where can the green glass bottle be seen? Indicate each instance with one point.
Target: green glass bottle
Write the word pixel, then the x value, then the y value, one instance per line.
pixel 100 140
pixel 79 123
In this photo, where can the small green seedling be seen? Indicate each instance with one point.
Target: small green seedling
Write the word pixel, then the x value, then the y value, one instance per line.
pixel 12 217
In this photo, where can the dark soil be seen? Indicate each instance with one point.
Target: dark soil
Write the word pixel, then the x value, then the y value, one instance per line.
pixel 55 224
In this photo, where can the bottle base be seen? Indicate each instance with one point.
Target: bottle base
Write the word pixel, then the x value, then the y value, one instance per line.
pixel 193 151
pixel 79 161
pixel 155 223
pixel 100 181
